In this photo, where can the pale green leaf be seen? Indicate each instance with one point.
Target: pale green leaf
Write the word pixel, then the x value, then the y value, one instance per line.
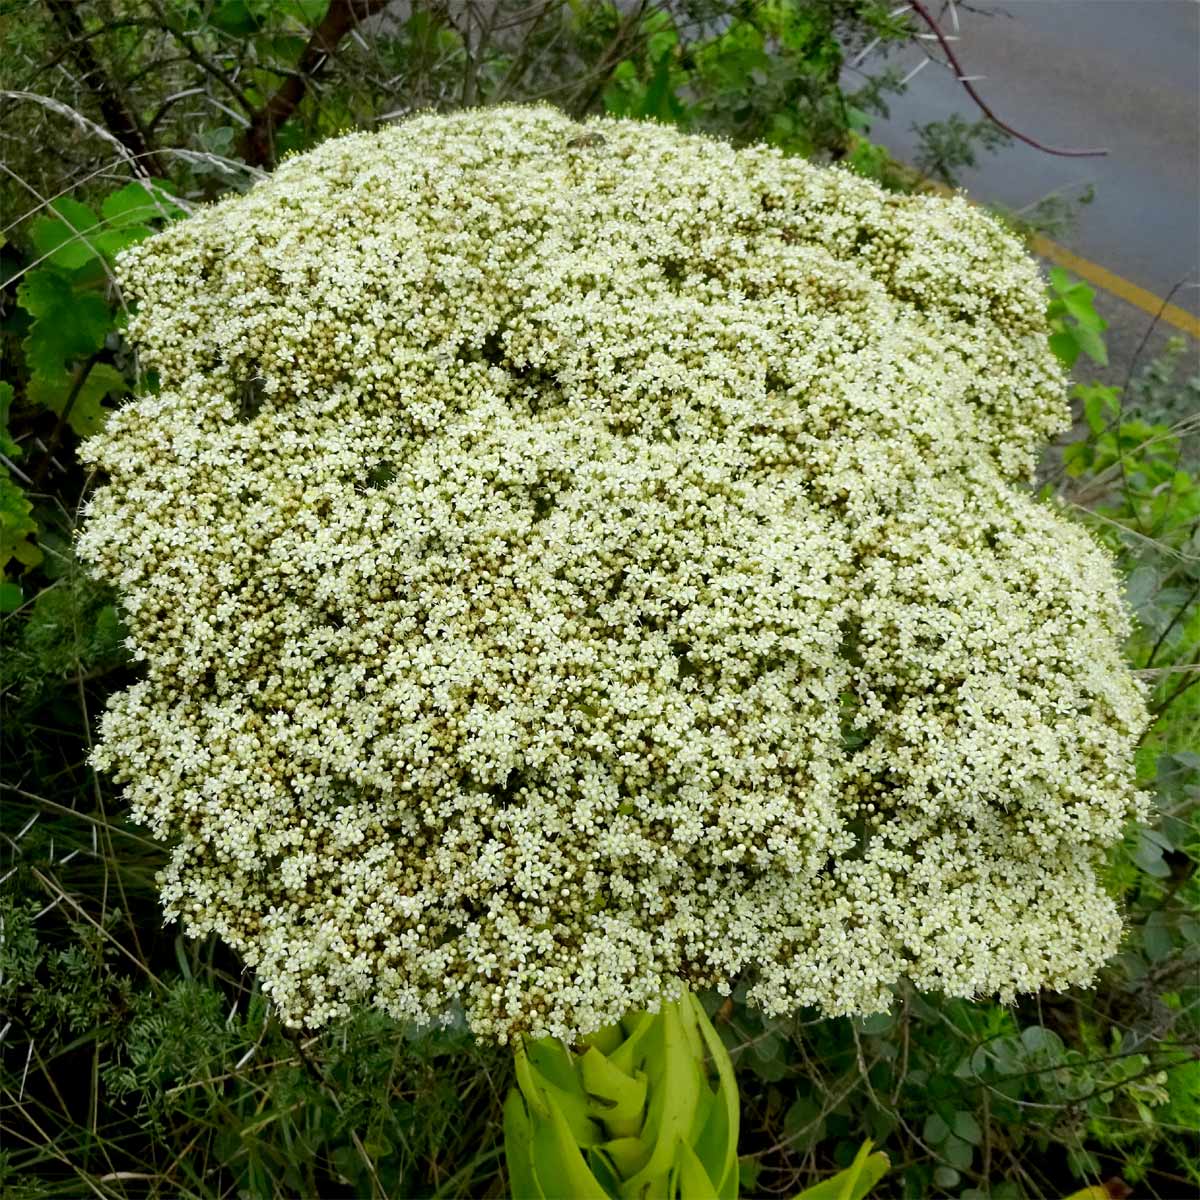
pixel 518 1150
pixel 558 1162
pixel 855 1182
pixel 622 1100
pixel 717 1147
pixel 694 1183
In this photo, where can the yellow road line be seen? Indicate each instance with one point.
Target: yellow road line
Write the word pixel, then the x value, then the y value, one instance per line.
pixel 1101 277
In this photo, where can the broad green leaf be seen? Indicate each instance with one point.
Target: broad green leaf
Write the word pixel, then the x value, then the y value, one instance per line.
pixel 110 242
pixel 803 1124
pixel 1078 301
pixel 1065 346
pixel 1092 344
pixel 43 291
pixel 1099 405
pixel 626 1055
pixel 87 413
pixel 68 324
pixel 676 1132
pixel 878 1023
pixel 605 1172
pixel 628 1155
pixel 749 1169
pixel 967 1127
pixel 137 204
pixel 1039 1039
pixel 235 17
pixel 552 1060
pixel 718 1144
pixel 660 102
pixel 1060 281
pixel 307 12
pixel 673 1096
pixel 935 1129
pixel 958 1153
pixel 527 1082
pixel 1156 937
pixel 11 596
pixel 705 1100
pixel 605 1040
pixel 7 445
pixel 1148 856
pixel 554 1076
pixel 1161 840
pixel 660 44
pixel 65 237
pixel 857 119
pixel 1141 587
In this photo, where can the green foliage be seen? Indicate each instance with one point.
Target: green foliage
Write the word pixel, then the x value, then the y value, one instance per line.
pixel 7 446
pixel 947 147
pixel 72 360
pixel 68 331
pixel 771 74
pixel 17 529
pixel 278 17
pixel 72 320
pixel 638 1111
pixel 855 1182
pixel 360 1110
pixel 1076 325
pixel 72 236
pixel 69 628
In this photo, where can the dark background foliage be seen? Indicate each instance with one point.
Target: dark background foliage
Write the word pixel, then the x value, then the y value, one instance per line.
pixel 136 1063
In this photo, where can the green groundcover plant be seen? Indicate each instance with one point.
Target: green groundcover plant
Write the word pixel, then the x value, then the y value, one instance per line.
pixel 575 564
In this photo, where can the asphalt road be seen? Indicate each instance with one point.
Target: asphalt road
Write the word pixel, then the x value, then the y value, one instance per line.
pixel 1122 74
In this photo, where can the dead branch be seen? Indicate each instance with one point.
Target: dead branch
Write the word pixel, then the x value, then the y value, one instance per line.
pixel 919 8
pixel 120 118
pixel 257 145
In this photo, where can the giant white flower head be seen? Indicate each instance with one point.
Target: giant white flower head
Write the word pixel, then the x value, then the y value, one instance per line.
pixel 574 563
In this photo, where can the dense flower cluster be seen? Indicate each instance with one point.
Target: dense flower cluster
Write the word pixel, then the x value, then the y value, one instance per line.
pixel 569 561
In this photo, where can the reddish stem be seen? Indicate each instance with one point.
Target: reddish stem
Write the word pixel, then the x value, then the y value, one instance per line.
pixel 919 8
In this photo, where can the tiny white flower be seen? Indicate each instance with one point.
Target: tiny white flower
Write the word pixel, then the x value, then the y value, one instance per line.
pixel 563 578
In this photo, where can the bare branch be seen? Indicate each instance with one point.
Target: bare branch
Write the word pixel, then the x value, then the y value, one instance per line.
pixel 210 68
pixel 119 117
pixel 257 144
pixel 966 80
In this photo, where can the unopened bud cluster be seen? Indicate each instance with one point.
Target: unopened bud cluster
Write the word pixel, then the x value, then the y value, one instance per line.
pixel 569 564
